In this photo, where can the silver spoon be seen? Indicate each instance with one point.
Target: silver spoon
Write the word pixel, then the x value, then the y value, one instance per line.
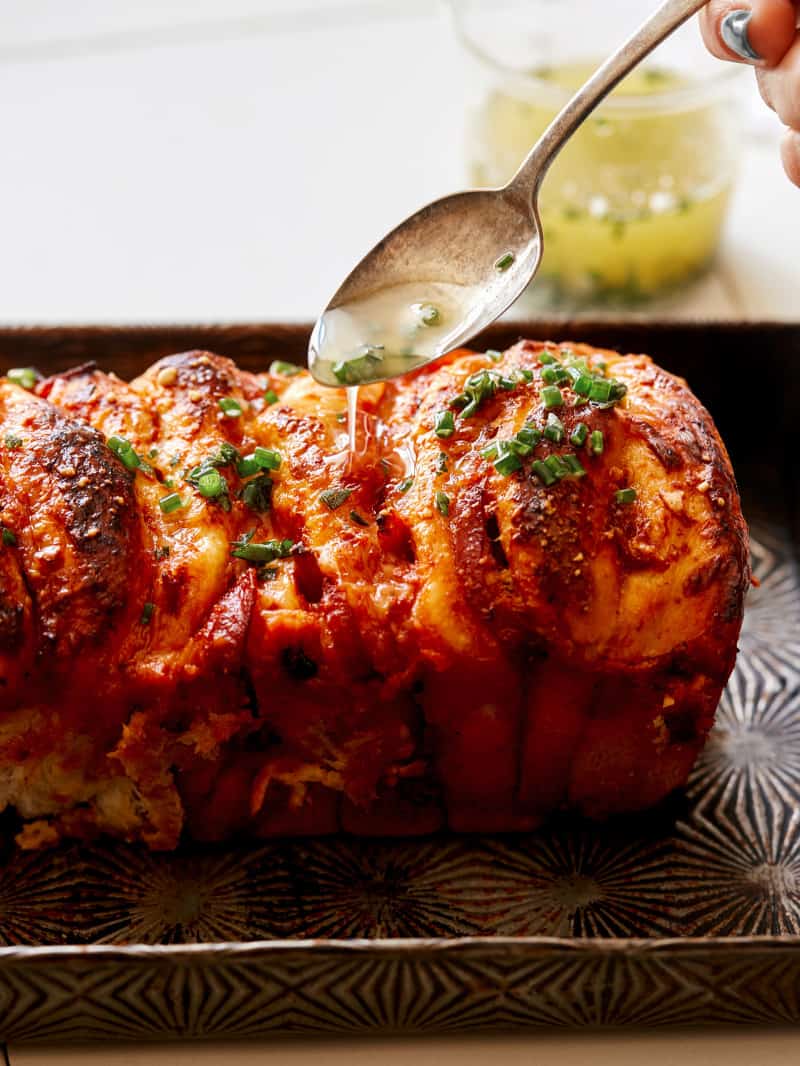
pixel 456 265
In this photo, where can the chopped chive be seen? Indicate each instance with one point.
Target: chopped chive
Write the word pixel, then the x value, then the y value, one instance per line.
pixel 529 435
pixel 357 370
pixel 521 373
pixel 504 262
pixel 625 495
pixel 266 458
pixel 405 485
pixel 247 466
pixel 211 484
pixel 230 408
pixel 444 424
pixel 579 434
pixel 442 467
pixel 268 552
pixel 600 390
pixel 170 503
pixel 153 453
pixel 555 375
pixel 547 358
pixel 24 376
pixel 583 385
pixel 334 498
pixel 494 355
pixel 596 442
pixel 554 430
pixel 356 517
pixel 442 501
pixel 575 466
pixel 556 465
pixel 169 483
pixel 124 451
pixel 428 314
pixel 552 396
pixel 257 494
pixel 507 461
pixel 8 538
pixel 13 441
pixel 147 613
pixel 542 471
pixel 287 370
pixel 270 397
pixel 490 452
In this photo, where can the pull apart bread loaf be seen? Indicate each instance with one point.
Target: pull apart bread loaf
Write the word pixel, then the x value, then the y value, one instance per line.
pixel 521 593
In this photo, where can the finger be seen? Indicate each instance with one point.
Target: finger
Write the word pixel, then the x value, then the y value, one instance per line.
pixel 790 153
pixel 780 87
pixel 769 30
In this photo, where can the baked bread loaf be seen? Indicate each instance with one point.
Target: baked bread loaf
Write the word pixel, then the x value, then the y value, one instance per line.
pixel 522 592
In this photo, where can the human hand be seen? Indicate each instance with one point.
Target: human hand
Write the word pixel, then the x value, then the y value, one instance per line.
pixel 764 34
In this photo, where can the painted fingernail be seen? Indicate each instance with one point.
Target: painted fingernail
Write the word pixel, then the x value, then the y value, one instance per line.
pixel 734 33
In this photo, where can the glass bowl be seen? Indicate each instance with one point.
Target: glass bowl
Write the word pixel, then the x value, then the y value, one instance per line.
pixel 634 206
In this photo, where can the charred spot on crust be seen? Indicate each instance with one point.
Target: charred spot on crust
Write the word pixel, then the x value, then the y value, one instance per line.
pixel 495 544
pixel 11 625
pixel 308 578
pixel 298 665
pixel 209 376
pixel 681 726
pixel 669 457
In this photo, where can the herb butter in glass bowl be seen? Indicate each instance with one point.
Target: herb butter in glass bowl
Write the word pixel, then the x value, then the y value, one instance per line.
pixel 634 206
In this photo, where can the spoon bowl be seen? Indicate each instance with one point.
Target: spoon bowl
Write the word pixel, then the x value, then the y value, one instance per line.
pixel 453 267
pixel 467 256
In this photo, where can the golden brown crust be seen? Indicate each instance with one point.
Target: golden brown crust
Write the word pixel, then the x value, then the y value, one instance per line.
pixel 535 647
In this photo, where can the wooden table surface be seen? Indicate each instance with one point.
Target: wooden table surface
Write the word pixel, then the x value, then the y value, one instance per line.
pixel 229 159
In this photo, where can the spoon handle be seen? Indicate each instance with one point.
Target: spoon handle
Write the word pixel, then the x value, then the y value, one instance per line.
pixel 669 16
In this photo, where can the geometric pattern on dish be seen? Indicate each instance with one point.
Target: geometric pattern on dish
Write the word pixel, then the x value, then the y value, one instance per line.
pixel 770 638
pixel 727 864
pixel 202 896
pixel 349 887
pixel 576 880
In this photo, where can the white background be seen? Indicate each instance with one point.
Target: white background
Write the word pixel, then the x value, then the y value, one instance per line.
pixel 229 159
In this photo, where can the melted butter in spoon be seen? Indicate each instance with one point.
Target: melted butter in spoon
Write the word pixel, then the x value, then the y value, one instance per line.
pixel 389 333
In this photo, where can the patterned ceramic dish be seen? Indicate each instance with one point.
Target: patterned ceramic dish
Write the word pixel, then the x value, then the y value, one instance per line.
pixel 687 914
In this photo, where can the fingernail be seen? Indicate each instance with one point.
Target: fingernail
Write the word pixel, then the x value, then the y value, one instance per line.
pixel 734 34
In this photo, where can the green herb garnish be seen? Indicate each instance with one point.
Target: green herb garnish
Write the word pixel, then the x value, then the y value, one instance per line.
pixel 542 471
pixel 257 493
pixel 625 495
pixel 334 498
pixel 230 408
pixel 478 388
pixel 596 442
pixel 428 314
pixel 405 485
pixel 442 501
pixel 270 397
pixel 494 355
pixel 504 262
pixel 579 434
pixel 24 376
pixel 170 503
pixel 552 396
pixel 266 552
pixel 360 369
pixel 444 424
pixel 124 451
pixel 287 370
pixel 554 430
pixel 13 441
pixel 442 467
pixel 356 517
